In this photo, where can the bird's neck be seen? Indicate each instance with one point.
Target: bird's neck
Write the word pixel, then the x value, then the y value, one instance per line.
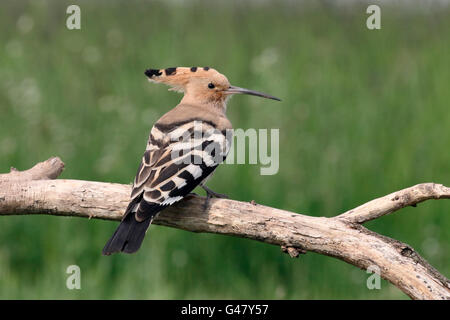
pixel 219 105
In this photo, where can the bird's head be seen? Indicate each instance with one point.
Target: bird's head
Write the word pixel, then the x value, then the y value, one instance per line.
pixel 200 85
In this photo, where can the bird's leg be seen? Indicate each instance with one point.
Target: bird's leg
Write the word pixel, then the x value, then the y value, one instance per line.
pixel 211 194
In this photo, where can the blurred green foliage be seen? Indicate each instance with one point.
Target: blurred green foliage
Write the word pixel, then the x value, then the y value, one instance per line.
pixel 364 113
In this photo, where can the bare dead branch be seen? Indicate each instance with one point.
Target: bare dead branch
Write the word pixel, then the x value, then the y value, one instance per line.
pixel 49 169
pixel 342 237
pixel 395 201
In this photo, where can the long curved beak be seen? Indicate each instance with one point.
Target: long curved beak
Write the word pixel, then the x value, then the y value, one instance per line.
pixel 234 90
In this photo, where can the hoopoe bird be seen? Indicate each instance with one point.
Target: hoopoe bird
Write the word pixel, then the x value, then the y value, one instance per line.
pixel 184 148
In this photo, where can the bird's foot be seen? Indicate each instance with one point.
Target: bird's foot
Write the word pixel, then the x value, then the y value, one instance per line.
pixel 211 194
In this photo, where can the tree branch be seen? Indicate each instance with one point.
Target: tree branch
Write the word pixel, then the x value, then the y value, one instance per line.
pixel 342 237
pixel 395 201
pixel 49 169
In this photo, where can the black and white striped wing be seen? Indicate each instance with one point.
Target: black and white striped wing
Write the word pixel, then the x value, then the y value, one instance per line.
pixel 176 161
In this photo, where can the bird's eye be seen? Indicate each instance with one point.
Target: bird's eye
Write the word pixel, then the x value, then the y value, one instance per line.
pixel 211 85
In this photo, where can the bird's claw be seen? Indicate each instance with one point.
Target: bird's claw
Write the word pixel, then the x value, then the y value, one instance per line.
pixel 211 194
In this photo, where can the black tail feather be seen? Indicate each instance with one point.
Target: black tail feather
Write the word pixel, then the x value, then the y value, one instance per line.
pixel 128 236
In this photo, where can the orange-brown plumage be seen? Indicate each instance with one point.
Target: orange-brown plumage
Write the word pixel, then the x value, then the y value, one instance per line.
pixel 165 174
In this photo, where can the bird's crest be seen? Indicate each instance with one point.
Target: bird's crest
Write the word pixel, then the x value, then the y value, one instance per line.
pixel 179 77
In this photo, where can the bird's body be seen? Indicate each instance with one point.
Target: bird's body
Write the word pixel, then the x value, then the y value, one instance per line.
pixel 184 148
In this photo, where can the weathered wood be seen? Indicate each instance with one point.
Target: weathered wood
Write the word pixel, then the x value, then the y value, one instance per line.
pixel 395 201
pixel 342 237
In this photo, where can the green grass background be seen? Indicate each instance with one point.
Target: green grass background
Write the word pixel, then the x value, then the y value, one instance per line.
pixel 364 113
